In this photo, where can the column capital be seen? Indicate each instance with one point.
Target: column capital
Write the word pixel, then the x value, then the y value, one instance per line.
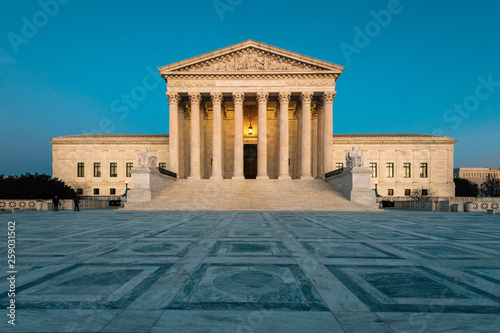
pixel 173 97
pixel 195 97
pixel 306 96
pixel 216 97
pixel 262 96
pixel 329 96
pixel 284 96
pixel 238 96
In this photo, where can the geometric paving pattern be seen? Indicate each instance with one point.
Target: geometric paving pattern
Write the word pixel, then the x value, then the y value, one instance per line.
pixel 137 271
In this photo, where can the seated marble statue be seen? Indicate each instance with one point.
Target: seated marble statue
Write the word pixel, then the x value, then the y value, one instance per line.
pixel 147 159
pixel 354 158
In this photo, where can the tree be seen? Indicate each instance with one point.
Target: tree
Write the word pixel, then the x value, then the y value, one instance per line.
pixel 465 188
pixel 37 186
pixel 419 194
pixel 492 186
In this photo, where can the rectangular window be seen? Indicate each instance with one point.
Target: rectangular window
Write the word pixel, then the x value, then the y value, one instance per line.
pixel 129 169
pixel 163 166
pixel 423 170
pixel 389 170
pixel 373 166
pixel 79 191
pixel 407 192
pixel 113 170
pixel 81 169
pixel 112 191
pixel 96 191
pixel 425 192
pixel 97 169
pixel 339 166
pixel 407 170
pixel 390 191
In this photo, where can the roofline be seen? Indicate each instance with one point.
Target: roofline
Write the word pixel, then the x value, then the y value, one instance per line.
pixel 249 43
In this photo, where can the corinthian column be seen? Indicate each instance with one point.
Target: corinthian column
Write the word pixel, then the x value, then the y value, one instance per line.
pixel 217 136
pixel 284 99
pixel 328 98
pixel 262 136
pixel 238 98
pixel 173 132
pixel 306 98
pixel 320 145
pixel 195 98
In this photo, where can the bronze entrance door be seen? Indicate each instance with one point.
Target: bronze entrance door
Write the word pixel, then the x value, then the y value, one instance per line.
pixel 250 164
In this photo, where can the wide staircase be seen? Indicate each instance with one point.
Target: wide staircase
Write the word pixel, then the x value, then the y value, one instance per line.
pixel 250 194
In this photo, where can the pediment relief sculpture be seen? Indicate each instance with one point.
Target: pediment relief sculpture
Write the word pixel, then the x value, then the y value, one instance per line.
pixel 251 60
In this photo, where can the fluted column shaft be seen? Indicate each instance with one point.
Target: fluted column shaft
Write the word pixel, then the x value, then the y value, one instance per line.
pixel 284 99
pixel 238 98
pixel 217 136
pixel 306 135
pixel 173 131
pixel 262 98
pixel 320 137
pixel 195 99
pixel 328 98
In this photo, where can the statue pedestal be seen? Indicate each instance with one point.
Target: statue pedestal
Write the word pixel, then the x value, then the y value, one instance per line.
pixel 354 184
pixel 146 184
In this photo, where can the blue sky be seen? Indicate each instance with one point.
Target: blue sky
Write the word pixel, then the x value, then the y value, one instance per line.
pixel 411 66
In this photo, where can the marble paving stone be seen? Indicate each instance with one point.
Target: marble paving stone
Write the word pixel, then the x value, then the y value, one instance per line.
pixel 59 320
pixel 315 234
pixel 413 289
pixel 450 251
pixel 131 321
pixel 147 248
pixel 249 249
pixel 116 271
pixel 265 321
pixel 441 322
pixel 250 232
pixel 361 322
pixel 248 287
pixel 346 250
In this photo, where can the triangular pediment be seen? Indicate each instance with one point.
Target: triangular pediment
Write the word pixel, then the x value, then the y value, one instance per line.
pixel 251 57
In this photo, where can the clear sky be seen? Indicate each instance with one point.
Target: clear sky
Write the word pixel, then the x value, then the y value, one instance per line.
pixel 421 66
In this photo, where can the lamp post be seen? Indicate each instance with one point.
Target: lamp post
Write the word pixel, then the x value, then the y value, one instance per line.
pixel 376 190
pixel 250 128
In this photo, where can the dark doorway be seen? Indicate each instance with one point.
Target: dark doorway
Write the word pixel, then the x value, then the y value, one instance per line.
pixel 250 165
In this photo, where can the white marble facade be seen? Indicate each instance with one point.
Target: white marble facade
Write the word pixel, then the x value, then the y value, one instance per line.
pixel 213 96
pixel 284 97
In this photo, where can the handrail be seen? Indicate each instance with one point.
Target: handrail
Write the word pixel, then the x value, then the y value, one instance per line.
pixel 333 173
pixel 167 172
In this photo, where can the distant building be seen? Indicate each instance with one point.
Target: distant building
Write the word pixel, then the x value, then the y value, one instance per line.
pixel 476 175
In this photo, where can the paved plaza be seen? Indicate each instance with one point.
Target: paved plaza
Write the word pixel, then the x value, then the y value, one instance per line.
pixel 118 271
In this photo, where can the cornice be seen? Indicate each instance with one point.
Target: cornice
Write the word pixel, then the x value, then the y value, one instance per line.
pixel 251 44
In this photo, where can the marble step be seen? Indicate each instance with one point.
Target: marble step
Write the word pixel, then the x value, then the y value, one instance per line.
pixel 229 194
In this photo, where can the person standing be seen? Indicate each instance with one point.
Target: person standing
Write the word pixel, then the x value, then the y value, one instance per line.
pixel 76 200
pixel 55 203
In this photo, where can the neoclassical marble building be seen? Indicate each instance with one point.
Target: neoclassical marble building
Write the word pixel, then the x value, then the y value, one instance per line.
pixel 252 110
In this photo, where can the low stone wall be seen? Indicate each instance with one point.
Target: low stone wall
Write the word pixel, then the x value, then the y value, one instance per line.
pixel 46 204
pixel 415 205
pixel 478 205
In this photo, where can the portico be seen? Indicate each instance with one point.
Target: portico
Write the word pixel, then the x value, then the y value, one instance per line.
pixel 286 98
